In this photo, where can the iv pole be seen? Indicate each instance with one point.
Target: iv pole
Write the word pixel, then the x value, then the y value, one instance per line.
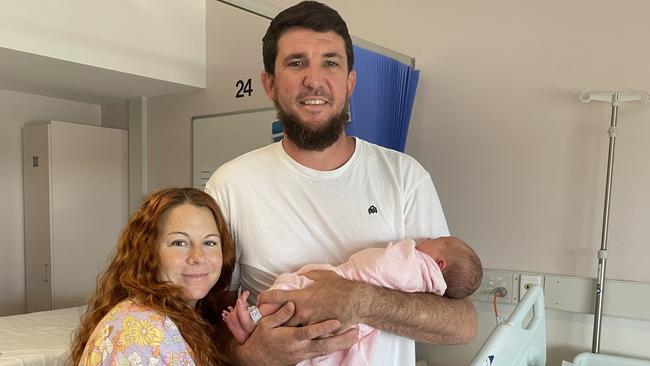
pixel 614 98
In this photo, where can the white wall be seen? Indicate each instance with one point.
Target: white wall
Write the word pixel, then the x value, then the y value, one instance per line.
pixel 116 115
pixel 518 162
pixel 162 39
pixel 18 109
pixel 234 53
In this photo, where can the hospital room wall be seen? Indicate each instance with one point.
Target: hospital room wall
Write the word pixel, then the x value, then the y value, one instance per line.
pixel 233 49
pixel 17 110
pixel 519 163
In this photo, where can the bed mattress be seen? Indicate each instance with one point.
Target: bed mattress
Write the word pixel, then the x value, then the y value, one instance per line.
pixel 37 339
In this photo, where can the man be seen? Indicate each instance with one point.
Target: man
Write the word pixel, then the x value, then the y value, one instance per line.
pixel 319 196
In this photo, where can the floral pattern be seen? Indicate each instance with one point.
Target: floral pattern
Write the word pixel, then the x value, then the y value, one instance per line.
pixel 134 335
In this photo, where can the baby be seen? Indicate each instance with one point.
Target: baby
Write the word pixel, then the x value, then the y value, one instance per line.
pixel 445 266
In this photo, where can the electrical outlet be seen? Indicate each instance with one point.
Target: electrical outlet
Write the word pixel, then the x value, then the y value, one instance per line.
pixel 493 279
pixel 525 280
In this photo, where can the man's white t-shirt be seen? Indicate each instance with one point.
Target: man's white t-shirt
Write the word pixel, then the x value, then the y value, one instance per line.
pixel 284 215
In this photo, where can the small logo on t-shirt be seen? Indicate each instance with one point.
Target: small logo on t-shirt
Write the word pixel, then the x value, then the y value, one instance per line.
pixel 372 210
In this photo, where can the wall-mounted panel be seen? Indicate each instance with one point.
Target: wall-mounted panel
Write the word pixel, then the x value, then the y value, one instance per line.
pixel 220 138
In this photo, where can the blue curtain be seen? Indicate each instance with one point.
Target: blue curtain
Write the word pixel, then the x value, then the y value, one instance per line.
pixel 382 99
pixel 276 131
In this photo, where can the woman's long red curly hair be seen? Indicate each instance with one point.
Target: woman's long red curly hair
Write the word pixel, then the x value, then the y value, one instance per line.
pixel 133 274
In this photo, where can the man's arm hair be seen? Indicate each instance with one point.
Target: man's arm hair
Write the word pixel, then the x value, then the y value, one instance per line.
pixel 420 316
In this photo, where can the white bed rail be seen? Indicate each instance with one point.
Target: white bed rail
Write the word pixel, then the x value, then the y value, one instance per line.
pixel 515 342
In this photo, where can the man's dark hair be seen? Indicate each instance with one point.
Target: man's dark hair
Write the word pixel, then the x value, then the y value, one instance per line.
pixel 307 14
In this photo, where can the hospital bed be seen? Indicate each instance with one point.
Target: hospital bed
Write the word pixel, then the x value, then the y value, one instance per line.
pixel 38 339
pixel 521 340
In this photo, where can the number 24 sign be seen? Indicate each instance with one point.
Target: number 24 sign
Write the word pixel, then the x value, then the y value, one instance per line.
pixel 243 87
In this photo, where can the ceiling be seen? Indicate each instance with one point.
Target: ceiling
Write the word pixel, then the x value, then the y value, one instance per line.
pixel 41 75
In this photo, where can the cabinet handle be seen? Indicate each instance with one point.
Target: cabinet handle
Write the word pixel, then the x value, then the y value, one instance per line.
pixel 46 272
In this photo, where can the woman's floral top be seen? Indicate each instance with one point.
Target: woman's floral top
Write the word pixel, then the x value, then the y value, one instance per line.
pixel 134 335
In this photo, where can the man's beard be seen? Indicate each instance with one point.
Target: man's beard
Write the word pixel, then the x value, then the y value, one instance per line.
pixel 310 139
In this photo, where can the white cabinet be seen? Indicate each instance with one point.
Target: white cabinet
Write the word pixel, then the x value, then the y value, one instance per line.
pixel 76 203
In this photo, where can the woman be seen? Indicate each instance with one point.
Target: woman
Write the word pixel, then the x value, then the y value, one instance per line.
pixel 155 304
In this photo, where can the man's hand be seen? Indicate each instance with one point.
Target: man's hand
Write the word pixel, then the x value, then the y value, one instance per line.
pixel 421 316
pixel 328 297
pixel 274 344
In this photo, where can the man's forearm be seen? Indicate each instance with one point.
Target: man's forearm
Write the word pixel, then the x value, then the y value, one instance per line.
pixel 421 316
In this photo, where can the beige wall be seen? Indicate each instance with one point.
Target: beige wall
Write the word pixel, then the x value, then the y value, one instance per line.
pixel 233 51
pixel 518 161
pixel 116 115
pixel 18 109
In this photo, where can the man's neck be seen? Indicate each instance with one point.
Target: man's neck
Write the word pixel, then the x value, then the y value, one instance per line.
pixel 331 158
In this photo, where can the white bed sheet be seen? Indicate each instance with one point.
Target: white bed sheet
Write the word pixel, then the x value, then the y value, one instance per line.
pixel 37 339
